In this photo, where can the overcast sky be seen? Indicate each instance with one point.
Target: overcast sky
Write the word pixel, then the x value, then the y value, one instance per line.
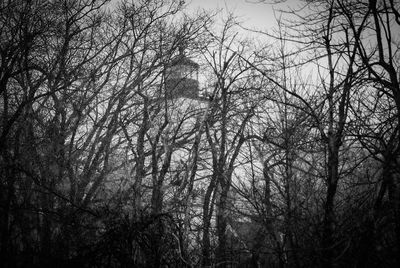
pixel 253 13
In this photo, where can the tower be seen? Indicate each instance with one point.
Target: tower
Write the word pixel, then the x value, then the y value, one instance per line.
pixel 181 78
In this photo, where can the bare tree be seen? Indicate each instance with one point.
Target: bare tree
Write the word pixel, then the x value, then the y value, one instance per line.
pixel 333 49
pixel 230 112
pixel 70 77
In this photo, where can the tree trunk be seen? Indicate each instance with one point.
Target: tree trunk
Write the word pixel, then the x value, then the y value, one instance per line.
pixel 7 194
pixel 329 214
pixel 140 161
pixel 394 199
pixel 207 212
pixel 222 223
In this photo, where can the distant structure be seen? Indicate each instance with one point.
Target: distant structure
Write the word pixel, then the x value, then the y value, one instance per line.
pixel 181 78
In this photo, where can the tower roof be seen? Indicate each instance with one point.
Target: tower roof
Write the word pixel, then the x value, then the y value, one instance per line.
pixel 181 59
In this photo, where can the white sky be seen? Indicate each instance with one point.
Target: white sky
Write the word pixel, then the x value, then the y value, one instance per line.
pixel 253 13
